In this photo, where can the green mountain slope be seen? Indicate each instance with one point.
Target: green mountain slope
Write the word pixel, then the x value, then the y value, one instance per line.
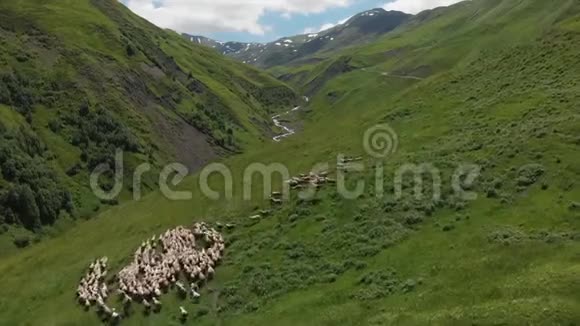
pixel 361 28
pixel 109 80
pixel 434 41
pixel 500 93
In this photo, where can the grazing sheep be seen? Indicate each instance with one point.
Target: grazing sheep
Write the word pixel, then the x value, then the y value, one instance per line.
pixel 183 312
pixel 153 270
pixel 276 194
pixel 181 288
pixel 92 287
pixel 146 304
pixel 105 309
pixel 157 263
pixel 115 316
pixel 195 296
pixel 313 179
pixel 276 201
pixel 157 304
pixel 127 300
pixel 210 272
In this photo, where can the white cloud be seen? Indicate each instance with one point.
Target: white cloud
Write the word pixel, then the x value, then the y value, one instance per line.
pixel 207 16
pixel 416 6
pixel 324 27
pixel 344 20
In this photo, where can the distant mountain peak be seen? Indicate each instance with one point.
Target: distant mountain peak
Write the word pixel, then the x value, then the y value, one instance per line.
pixel 362 27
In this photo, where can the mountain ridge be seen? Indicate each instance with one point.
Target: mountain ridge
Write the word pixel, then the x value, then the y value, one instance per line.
pixel 113 82
pixel 360 28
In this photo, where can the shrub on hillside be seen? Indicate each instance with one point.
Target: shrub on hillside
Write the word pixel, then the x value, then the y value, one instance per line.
pixel 529 174
pixel 22 202
pixel 34 197
pixel 22 241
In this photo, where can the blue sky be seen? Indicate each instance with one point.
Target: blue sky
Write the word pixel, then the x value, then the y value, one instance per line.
pixel 296 24
pixel 261 20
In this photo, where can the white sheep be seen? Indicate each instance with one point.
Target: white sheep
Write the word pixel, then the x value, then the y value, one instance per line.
pixel 183 312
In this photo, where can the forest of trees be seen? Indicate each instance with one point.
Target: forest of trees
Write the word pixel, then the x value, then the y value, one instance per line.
pixel 31 194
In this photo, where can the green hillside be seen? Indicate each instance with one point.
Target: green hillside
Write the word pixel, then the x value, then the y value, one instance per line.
pixel 108 80
pixel 435 41
pixel 488 83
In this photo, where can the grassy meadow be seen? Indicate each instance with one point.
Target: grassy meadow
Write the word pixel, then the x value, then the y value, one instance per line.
pixel 497 87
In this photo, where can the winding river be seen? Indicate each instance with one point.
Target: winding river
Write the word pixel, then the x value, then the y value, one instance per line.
pixel 287 130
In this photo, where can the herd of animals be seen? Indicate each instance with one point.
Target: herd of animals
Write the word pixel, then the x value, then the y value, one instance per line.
pixel 161 261
pixel 156 267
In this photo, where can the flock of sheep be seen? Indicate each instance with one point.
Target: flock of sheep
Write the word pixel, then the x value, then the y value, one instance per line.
pixel 156 266
pixel 160 261
pixel 93 289
pixel 312 179
pixel 317 180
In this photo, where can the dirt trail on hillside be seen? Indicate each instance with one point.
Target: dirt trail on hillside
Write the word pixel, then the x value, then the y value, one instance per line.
pixel 401 76
pixel 388 74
